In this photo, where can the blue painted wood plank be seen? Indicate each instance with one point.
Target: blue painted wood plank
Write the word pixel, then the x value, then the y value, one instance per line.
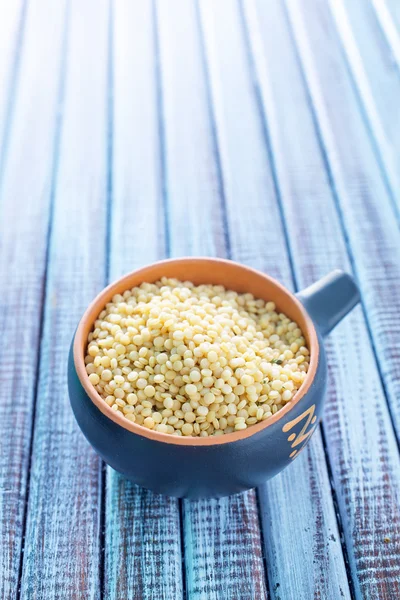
pixel 24 215
pixel 223 553
pixel 62 541
pixel 361 196
pixel 12 20
pixel 377 82
pixel 137 169
pixel 136 518
pixel 143 550
pixel 307 564
pixel 388 16
pixel 360 438
pixel 223 549
pixel 192 178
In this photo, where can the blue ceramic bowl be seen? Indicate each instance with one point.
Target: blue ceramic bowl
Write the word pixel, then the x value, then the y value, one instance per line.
pixel 194 467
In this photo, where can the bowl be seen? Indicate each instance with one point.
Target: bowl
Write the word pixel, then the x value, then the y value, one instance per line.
pixel 196 467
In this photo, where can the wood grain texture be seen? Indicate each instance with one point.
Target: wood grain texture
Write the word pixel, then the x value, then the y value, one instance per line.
pixel 223 551
pixel 388 16
pixel 367 215
pixel 12 20
pixel 222 546
pixel 143 548
pixel 258 239
pixel 143 552
pixel 62 549
pixel 360 438
pixel 191 175
pixel 376 80
pixel 24 215
pixel 137 220
pixel 267 132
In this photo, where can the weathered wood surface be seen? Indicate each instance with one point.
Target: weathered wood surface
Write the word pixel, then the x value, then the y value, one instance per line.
pixel 143 538
pixel 366 213
pixel 12 22
pixel 356 442
pixel 257 238
pixel 222 546
pixel 62 541
pixel 362 193
pixel 26 181
pixel 377 81
pixel 264 132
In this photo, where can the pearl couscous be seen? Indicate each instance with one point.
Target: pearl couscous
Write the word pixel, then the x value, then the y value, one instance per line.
pixel 194 360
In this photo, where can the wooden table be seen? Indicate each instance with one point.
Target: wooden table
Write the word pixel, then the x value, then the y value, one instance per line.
pixel 266 132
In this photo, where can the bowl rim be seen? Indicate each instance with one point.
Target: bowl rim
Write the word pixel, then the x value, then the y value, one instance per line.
pixel 97 305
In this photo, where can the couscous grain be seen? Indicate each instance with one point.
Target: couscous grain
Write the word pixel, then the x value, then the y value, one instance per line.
pixel 194 360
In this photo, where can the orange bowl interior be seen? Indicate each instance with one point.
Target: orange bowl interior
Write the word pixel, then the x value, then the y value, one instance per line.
pixel 232 276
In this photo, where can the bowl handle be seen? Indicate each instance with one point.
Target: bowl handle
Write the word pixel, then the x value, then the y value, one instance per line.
pixel 328 300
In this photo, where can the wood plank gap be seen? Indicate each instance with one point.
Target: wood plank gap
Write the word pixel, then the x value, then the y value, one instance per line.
pixel 388 28
pixel 213 128
pixel 263 546
pixel 167 231
pixel 108 230
pixel 110 138
pixel 338 515
pixel 266 135
pixel 55 167
pixel 102 530
pixel 337 203
pixel 13 85
pixel 267 138
pixel 161 131
pixel 183 562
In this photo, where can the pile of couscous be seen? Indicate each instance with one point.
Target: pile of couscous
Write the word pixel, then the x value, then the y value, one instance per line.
pixel 194 360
